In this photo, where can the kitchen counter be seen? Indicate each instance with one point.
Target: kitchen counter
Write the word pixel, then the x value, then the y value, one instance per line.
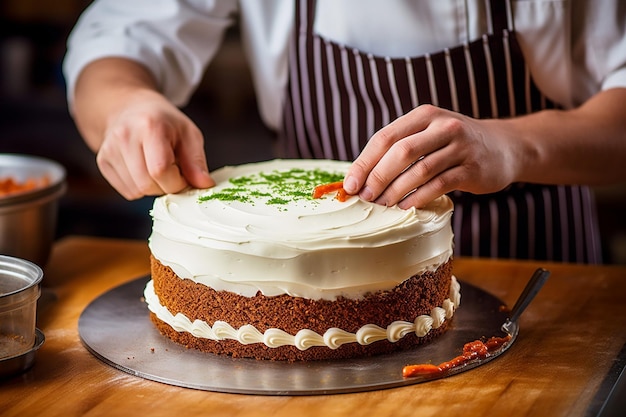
pixel 566 361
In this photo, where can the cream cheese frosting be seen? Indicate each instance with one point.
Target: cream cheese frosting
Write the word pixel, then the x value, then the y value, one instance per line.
pixel 259 229
pixel 333 338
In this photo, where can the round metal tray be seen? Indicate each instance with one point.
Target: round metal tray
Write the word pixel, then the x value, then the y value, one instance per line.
pixel 116 328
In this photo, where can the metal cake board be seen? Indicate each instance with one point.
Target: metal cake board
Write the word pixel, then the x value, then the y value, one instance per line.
pixel 116 328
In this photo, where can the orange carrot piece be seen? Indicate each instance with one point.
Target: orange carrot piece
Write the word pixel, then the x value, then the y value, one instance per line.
pixel 342 195
pixel 323 189
pixel 417 370
pixel 11 186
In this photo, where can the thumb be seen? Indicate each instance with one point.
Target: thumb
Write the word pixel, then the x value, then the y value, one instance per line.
pixel 196 172
pixel 193 164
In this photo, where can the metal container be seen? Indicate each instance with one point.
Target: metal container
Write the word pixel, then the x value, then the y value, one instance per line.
pixel 28 219
pixel 20 288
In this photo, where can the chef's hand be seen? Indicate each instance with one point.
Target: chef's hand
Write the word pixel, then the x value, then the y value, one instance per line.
pixel 152 148
pixel 144 144
pixel 429 152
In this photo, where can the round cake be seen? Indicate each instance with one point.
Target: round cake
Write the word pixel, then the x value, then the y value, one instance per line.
pixel 259 267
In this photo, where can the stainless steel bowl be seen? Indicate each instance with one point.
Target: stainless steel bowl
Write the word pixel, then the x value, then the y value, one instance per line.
pixel 20 287
pixel 28 220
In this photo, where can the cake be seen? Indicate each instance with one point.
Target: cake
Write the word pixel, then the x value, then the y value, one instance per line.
pixel 256 267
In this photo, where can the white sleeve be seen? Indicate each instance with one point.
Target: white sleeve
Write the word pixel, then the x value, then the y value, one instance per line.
pixel 610 47
pixel 175 40
pixel 600 47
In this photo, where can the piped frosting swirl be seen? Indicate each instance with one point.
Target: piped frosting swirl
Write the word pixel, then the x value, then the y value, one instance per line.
pixel 333 338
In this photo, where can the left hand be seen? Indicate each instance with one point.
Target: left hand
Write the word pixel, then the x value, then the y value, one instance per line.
pixel 431 151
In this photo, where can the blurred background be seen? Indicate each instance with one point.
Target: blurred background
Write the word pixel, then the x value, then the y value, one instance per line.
pixel 34 120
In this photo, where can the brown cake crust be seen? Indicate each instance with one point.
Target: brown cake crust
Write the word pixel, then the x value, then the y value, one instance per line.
pixel 416 296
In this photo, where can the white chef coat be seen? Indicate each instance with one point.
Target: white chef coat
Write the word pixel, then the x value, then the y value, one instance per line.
pixel 573 51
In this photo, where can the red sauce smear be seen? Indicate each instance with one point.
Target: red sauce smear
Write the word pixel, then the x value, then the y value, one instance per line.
pixel 472 350
pixel 11 186
pixel 324 189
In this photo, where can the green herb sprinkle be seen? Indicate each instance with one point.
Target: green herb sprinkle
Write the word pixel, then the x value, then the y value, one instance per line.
pixel 277 188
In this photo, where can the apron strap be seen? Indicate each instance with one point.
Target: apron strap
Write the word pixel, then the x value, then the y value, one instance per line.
pixel 501 14
pixel 306 12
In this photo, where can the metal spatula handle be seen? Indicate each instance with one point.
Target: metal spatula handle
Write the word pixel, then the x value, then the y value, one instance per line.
pixel 530 291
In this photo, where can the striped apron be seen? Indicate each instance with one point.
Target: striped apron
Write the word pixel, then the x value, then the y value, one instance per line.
pixel 338 97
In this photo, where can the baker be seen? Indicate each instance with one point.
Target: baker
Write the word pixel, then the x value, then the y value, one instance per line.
pixel 512 107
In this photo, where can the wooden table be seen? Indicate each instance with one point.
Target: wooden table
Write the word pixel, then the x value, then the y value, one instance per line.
pixel 567 358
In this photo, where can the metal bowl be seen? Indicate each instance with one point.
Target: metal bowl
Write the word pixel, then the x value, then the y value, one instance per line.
pixel 28 220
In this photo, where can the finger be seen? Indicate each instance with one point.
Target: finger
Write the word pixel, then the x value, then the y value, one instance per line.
pixel 122 162
pixel 419 173
pixel 392 165
pixel 408 164
pixel 161 165
pixel 118 176
pixel 192 160
pixel 441 184
pixel 381 142
pixel 361 169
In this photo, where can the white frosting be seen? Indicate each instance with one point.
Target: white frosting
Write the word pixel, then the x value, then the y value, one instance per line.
pixel 305 338
pixel 317 249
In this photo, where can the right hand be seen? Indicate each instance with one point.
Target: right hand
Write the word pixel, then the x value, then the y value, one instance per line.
pixel 152 148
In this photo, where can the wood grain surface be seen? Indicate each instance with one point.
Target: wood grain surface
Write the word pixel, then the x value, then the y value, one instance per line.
pixel 570 339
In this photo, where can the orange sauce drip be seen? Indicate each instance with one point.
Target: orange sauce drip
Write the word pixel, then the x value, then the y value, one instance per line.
pixel 11 186
pixel 472 350
pixel 324 189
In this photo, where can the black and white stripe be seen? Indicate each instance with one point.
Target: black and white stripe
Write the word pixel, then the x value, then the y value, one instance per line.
pixel 338 97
